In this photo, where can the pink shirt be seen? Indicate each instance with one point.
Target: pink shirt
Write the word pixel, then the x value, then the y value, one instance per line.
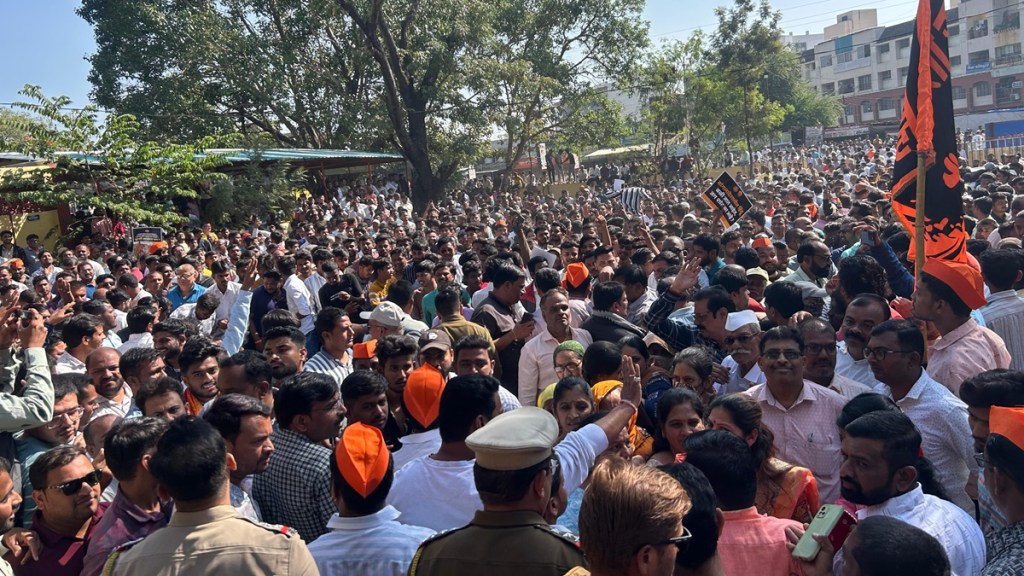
pixel 806 433
pixel 753 543
pixel 966 351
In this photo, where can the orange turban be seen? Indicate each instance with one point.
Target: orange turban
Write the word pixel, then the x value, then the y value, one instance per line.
pixel 575 275
pixel 422 394
pixel 961 278
pixel 364 350
pixel 1008 423
pixel 761 242
pixel 363 458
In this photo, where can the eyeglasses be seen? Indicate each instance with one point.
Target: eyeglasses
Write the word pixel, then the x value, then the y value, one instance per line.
pixel 71 487
pixel 72 416
pixel 881 353
pixel 776 354
pixel 815 349
pixel 567 367
pixel 742 339
pixel 680 542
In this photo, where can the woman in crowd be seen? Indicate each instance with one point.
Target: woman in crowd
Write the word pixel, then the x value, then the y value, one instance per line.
pixel 568 359
pixel 783 490
pixel 679 415
pixel 691 369
pixel 572 402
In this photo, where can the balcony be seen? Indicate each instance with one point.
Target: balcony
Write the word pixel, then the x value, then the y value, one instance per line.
pixel 1008 59
pixel 1009 21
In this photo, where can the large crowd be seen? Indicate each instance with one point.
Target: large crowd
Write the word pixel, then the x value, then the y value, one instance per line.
pixel 527 379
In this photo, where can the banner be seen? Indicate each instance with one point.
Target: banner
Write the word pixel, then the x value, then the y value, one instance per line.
pixel 728 198
pixel 927 126
pixel 542 152
pixel 144 237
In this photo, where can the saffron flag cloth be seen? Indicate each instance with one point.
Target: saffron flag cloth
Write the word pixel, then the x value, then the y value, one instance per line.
pixel 927 127
pixel 728 197
pixel 631 197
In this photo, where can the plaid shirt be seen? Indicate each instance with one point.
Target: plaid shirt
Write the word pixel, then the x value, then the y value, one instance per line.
pixel 295 490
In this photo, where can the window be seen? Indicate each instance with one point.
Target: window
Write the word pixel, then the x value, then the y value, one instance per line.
pixel 864 82
pixel 978 30
pixel 1007 90
pixel 883 49
pixel 979 57
pixel 982 89
pixel 829 88
pixel 959 93
pixel 886 104
pixel 842 57
pixel 954 30
pixel 846 86
pixel 1009 20
pixel 901 76
pixel 884 79
pixel 863 51
pixel 826 60
pixel 902 48
pixel 1009 54
pixel 848 109
pixel 865 107
pixel 954 60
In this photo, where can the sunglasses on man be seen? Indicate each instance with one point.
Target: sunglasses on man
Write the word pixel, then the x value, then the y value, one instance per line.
pixel 71 487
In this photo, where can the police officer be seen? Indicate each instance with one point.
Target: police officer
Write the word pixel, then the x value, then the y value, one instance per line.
pixel 515 462
pixel 205 534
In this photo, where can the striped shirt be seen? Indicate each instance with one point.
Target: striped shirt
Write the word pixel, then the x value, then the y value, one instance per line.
pixel 324 363
pixel 1003 315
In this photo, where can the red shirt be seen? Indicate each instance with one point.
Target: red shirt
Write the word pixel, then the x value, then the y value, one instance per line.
pixel 61 555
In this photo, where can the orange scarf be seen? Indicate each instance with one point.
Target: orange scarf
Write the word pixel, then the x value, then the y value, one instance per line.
pixel 192 404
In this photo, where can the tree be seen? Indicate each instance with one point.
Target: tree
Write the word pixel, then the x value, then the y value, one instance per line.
pixel 105 164
pixel 539 77
pixel 293 69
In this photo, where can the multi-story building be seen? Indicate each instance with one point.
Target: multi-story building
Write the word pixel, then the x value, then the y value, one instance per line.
pixel 866 65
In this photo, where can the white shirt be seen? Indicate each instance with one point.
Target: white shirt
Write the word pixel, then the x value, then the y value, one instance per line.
pixel 143 340
pixel 958 533
pixel 856 370
pixel 946 440
pixel 125 408
pixel 374 545
pixel 415 446
pixel 537 366
pixel 68 364
pixel 300 302
pixel 741 382
pixel 442 495
pixel 227 300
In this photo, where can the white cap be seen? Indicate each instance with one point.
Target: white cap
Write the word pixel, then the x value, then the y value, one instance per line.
pixel 737 320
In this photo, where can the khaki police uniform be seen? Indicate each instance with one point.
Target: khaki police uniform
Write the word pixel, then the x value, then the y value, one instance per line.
pixel 500 543
pixel 214 541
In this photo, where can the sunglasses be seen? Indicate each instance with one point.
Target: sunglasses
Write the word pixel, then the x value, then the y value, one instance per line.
pixel 71 487
pixel 680 542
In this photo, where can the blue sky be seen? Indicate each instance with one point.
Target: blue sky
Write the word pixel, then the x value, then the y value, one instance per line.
pixel 44 42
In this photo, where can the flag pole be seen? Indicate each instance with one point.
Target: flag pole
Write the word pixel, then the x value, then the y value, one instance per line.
pixel 922 159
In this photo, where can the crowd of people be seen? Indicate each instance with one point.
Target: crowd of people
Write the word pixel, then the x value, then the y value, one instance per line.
pixel 540 384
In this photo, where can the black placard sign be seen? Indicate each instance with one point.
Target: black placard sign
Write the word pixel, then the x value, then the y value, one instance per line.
pixel 728 198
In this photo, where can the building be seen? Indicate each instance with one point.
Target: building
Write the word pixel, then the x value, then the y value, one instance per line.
pixel 866 65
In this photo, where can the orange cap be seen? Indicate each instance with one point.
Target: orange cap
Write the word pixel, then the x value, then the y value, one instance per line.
pixel 575 275
pixel 155 246
pixel 422 394
pixel 15 263
pixel 363 458
pixel 961 277
pixel 762 242
pixel 364 350
pixel 1007 422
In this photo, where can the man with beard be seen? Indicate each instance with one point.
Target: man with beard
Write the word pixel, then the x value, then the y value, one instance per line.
pixel 711 309
pixel 862 315
pixel 895 352
pixel 295 490
pixel 705 250
pixel 820 359
pixel 245 423
pixel 814 261
pixel 60 430
pixel 137 510
pixel 168 337
pixel 285 349
pixel 103 368
pixel 767 257
pixel 67 490
pixel 802 415
pixel 365 396
pixel 10 500
pixel 335 331
pixel 880 450
pixel 743 333
pixel 396 356
pixel 141 366
pixel 265 298
pixel 199 369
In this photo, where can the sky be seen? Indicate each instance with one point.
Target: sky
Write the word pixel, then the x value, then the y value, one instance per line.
pixel 43 42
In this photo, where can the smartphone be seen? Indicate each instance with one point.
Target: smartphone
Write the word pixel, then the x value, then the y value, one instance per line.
pixel 867 239
pixel 831 520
